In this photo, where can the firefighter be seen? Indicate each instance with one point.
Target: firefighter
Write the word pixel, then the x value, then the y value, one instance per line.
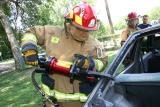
pixel 63 44
pixel 132 23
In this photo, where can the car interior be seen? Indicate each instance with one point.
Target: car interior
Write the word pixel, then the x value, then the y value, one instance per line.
pixel 138 84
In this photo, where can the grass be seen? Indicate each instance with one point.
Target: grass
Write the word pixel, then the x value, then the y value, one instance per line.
pixel 111 55
pixel 16 89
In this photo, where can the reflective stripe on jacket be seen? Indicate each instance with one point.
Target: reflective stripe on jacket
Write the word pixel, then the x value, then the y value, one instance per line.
pixel 64 96
pixel 53 39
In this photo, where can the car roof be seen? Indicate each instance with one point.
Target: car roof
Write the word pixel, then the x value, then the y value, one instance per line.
pixel 145 32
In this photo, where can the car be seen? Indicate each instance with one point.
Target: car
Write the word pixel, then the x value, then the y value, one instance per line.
pixel 136 74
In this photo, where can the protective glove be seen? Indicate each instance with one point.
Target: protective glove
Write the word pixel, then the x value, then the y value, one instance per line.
pixel 30 54
pixel 84 63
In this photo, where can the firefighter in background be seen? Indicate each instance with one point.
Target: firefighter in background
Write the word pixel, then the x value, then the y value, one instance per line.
pixel 63 44
pixel 132 23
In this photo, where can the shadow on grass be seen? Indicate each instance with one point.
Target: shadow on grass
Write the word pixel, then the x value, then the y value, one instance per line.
pixel 16 90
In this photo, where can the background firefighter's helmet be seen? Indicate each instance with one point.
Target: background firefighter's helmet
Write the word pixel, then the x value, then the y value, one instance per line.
pixel 83 16
pixel 132 20
pixel 132 15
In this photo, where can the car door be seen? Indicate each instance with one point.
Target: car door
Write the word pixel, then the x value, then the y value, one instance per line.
pixel 131 86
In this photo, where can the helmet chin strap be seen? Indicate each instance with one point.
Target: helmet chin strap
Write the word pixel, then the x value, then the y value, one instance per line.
pixel 65 27
pixel 133 26
pixel 82 42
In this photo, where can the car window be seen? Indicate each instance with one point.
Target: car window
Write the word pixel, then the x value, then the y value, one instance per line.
pixel 143 57
pixel 127 60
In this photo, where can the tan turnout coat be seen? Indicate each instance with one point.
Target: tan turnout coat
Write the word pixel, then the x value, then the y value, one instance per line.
pixel 54 40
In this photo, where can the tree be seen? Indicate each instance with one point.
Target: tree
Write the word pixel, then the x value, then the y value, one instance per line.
pixel 121 24
pixel 5 48
pixel 35 12
pixel 109 17
pixel 154 14
pixel 4 43
pixel 102 31
pixel 14 45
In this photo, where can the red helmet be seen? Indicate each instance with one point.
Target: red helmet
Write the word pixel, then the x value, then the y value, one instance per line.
pixel 132 15
pixel 83 16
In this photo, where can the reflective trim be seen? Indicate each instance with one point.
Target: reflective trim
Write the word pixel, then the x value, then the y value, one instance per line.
pixel 64 96
pixel 64 64
pixel 78 19
pixel 29 36
pixel 99 64
pixel 71 14
pixel 86 63
pixel 83 98
pixel 54 39
pixel 32 63
pixel 29 53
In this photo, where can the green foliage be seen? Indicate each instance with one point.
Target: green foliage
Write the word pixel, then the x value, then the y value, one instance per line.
pixel 6 9
pixel 121 24
pixel 29 13
pixel 38 12
pixel 52 11
pixel 154 14
pixel 4 44
pixel 103 30
pixel 13 11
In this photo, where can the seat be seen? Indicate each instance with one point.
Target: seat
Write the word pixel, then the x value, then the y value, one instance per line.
pixel 154 61
pixel 141 88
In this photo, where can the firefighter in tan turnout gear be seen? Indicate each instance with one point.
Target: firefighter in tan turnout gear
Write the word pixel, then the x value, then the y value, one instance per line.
pixel 132 23
pixel 63 44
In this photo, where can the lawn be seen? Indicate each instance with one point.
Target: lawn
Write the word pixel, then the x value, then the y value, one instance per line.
pixel 111 55
pixel 16 89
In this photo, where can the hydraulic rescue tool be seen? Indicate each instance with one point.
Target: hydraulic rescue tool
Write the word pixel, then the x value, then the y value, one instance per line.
pixel 49 65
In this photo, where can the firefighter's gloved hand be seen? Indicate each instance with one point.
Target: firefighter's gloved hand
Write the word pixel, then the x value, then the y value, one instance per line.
pixel 84 63
pixel 30 54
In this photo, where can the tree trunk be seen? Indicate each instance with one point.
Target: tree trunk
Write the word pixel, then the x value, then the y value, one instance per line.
pixel 109 17
pixel 19 62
